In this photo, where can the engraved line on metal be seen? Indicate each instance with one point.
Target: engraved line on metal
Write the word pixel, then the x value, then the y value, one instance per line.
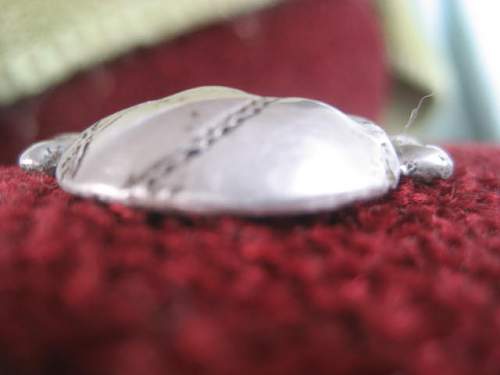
pixel 72 163
pixel 161 168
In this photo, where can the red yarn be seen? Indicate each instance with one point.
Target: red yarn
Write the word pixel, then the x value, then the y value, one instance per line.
pixel 408 284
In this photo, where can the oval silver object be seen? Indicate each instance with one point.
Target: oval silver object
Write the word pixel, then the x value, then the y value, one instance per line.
pixel 220 150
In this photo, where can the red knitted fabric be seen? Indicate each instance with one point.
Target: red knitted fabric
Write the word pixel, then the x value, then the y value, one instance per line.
pixel 408 284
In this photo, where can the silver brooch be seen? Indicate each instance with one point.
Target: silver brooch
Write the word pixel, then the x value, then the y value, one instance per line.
pixel 216 150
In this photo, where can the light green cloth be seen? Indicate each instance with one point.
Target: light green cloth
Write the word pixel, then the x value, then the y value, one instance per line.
pixel 446 48
pixel 43 42
pixel 416 66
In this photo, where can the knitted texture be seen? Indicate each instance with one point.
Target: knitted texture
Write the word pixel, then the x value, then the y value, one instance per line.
pixel 407 284
pixel 330 50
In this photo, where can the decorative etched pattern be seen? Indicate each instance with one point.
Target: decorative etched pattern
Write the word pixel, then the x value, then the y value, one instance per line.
pixel 72 163
pixel 155 174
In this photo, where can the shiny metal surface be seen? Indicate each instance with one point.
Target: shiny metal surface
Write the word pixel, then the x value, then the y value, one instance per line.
pixel 425 162
pixel 44 156
pixel 217 150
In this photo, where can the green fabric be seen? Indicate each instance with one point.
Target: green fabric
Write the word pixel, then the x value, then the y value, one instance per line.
pixel 416 67
pixel 43 42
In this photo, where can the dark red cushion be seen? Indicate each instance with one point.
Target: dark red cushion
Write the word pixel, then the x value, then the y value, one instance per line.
pixel 408 284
